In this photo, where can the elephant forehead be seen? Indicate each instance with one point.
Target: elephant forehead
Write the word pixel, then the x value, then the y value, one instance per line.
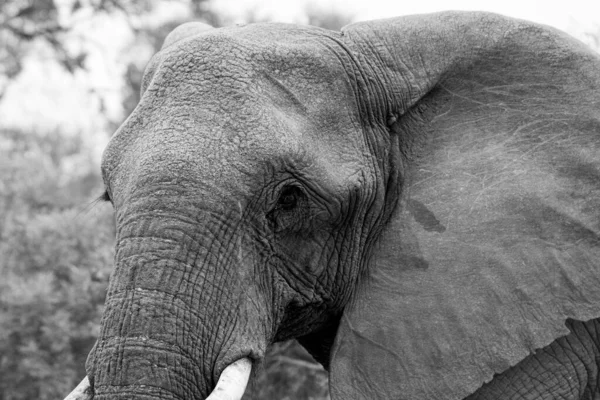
pixel 234 163
pixel 182 155
pixel 235 81
pixel 241 73
pixel 223 104
pixel 279 45
pixel 240 57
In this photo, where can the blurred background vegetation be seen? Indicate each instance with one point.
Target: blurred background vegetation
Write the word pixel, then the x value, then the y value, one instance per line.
pixel 56 242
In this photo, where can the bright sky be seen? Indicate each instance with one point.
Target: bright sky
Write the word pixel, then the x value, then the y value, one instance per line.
pixel 46 97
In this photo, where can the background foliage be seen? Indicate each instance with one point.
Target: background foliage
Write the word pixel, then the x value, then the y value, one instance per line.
pixel 55 261
pixel 56 242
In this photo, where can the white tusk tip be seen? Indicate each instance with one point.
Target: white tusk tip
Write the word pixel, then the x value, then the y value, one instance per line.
pixel 83 391
pixel 233 380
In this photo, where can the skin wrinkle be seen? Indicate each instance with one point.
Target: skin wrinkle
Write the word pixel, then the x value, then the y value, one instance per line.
pixel 595 373
pixel 576 358
pixel 295 268
pixel 296 276
pixel 351 68
pixel 126 393
pixel 125 257
pixel 373 107
pixel 135 287
pixel 158 345
pixel 574 354
pixel 215 287
pixel 566 385
pixel 537 376
pixel 320 195
pixel 287 93
pixel 204 348
pixel 360 74
pixel 233 228
pixel 340 274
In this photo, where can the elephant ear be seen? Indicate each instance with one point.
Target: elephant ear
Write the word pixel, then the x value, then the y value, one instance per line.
pixel 495 240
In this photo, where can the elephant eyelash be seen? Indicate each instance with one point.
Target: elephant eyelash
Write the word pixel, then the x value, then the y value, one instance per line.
pixel 105 197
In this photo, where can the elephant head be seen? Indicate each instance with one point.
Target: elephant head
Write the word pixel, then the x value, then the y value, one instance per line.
pixel 415 199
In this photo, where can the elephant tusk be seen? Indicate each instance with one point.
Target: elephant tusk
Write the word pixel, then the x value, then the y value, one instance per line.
pixel 83 391
pixel 233 380
pixel 231 385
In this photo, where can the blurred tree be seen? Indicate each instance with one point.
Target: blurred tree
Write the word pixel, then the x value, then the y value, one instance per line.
pixel 10 35
pixel 55 263
pixel 201 11
pixel 592 38
pixel 23 22
pixel 328 18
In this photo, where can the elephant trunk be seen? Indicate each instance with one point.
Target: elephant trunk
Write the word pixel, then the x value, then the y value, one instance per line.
pixel 174 320
pixel 231 384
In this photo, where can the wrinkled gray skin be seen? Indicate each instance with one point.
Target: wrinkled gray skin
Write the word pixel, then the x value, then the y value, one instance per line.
pixel 416 199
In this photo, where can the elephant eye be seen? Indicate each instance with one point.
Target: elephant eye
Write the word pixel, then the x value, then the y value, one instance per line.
pixel 291 210
pixel 289 197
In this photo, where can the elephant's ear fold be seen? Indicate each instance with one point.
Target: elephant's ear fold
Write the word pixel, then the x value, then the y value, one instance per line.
pixel 184 31
pixel 495 241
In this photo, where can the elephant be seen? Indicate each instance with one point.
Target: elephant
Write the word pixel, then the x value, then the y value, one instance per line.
pixel 415 200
